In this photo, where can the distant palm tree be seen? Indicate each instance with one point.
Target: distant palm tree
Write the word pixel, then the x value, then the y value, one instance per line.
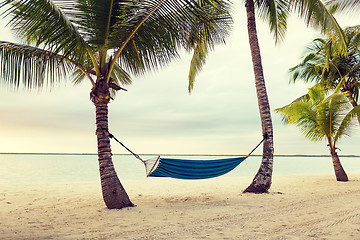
pixel 102 41
pixel 321 117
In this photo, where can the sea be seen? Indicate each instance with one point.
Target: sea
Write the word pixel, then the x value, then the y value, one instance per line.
pixel 43 168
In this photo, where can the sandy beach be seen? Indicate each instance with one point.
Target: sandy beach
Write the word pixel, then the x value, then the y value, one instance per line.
pixel 297 207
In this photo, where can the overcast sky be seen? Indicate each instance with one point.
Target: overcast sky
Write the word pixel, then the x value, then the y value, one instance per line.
pixel 157 115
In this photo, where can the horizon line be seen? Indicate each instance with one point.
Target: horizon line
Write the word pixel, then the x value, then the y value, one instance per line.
pixel 181 154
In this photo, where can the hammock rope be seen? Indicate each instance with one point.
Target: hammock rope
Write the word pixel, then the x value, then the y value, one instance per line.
pixel 149 163
pixel 134 154
pixel 188 169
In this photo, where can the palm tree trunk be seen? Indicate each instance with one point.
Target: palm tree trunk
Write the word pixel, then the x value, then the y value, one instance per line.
pixel 353 102
pixel 262 180
pixel 114 194
pixel 339 170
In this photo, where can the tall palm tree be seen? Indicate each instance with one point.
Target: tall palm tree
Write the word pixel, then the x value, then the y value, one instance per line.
pixel 103 41
pixel 323 64
pixel 321 117
pixel 275 12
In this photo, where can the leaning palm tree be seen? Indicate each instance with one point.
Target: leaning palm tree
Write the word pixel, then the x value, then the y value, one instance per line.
pixel 321 117
pixel 103 41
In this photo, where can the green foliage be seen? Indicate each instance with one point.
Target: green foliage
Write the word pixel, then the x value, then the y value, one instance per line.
pixel 324 64
pixel 114 38
pixel 344 5
pixel 198 60
pixel 30 66
pixel 275 13
pixel 321 117
pixel 314 13
pixel 42 23
pixel 205 34
pixel 319 15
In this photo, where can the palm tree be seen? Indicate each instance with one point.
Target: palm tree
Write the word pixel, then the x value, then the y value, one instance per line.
pixel 321 117
pixel 103 41
pixel 276 12
pixel 323 64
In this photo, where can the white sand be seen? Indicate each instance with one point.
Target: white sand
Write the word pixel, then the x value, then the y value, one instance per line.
pixel 297 207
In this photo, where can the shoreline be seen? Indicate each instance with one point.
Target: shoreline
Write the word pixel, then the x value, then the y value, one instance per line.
pixel 296 207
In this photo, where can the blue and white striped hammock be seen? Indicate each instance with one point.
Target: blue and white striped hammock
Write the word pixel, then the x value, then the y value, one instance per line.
pixel 192 169
pixel 188 169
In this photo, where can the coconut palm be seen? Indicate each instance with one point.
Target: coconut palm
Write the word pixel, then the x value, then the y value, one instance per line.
pixel 103 41
pixel 323 64
pixel 320 117
pixel 275 12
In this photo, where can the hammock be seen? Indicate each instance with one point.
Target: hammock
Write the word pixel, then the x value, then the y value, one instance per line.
pixel 188 169
pixel 193 169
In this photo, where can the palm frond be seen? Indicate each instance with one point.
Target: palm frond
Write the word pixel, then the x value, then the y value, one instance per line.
pixel 318 15
pixel 283 109
pixel 340 85
pixel 356 88
pixel 307 71
pixel 78 76
pixel 341 5
pixel 202 37
pixel 151 47
pixel 197 62
pixel 214 24
pixel 316 94
pixel 120 75
pixel 304 115
pixel 31 67
pixel 332 111
pixel 41 22
pixel 170 25
pixel 309 125
pixel 96 18
pixel 275 12
pixel 87 65
pixel 344 128
pixel 311 67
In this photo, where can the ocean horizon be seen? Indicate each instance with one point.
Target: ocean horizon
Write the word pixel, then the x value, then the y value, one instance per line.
pixel 22 168
pixel 179 154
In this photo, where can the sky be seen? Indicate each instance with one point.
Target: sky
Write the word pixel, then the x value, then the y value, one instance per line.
pixel 157 115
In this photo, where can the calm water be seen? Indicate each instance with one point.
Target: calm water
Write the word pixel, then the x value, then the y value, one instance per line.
pixel 32 168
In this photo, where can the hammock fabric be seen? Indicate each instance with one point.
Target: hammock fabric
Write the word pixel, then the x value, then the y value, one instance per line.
pixel 193 169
